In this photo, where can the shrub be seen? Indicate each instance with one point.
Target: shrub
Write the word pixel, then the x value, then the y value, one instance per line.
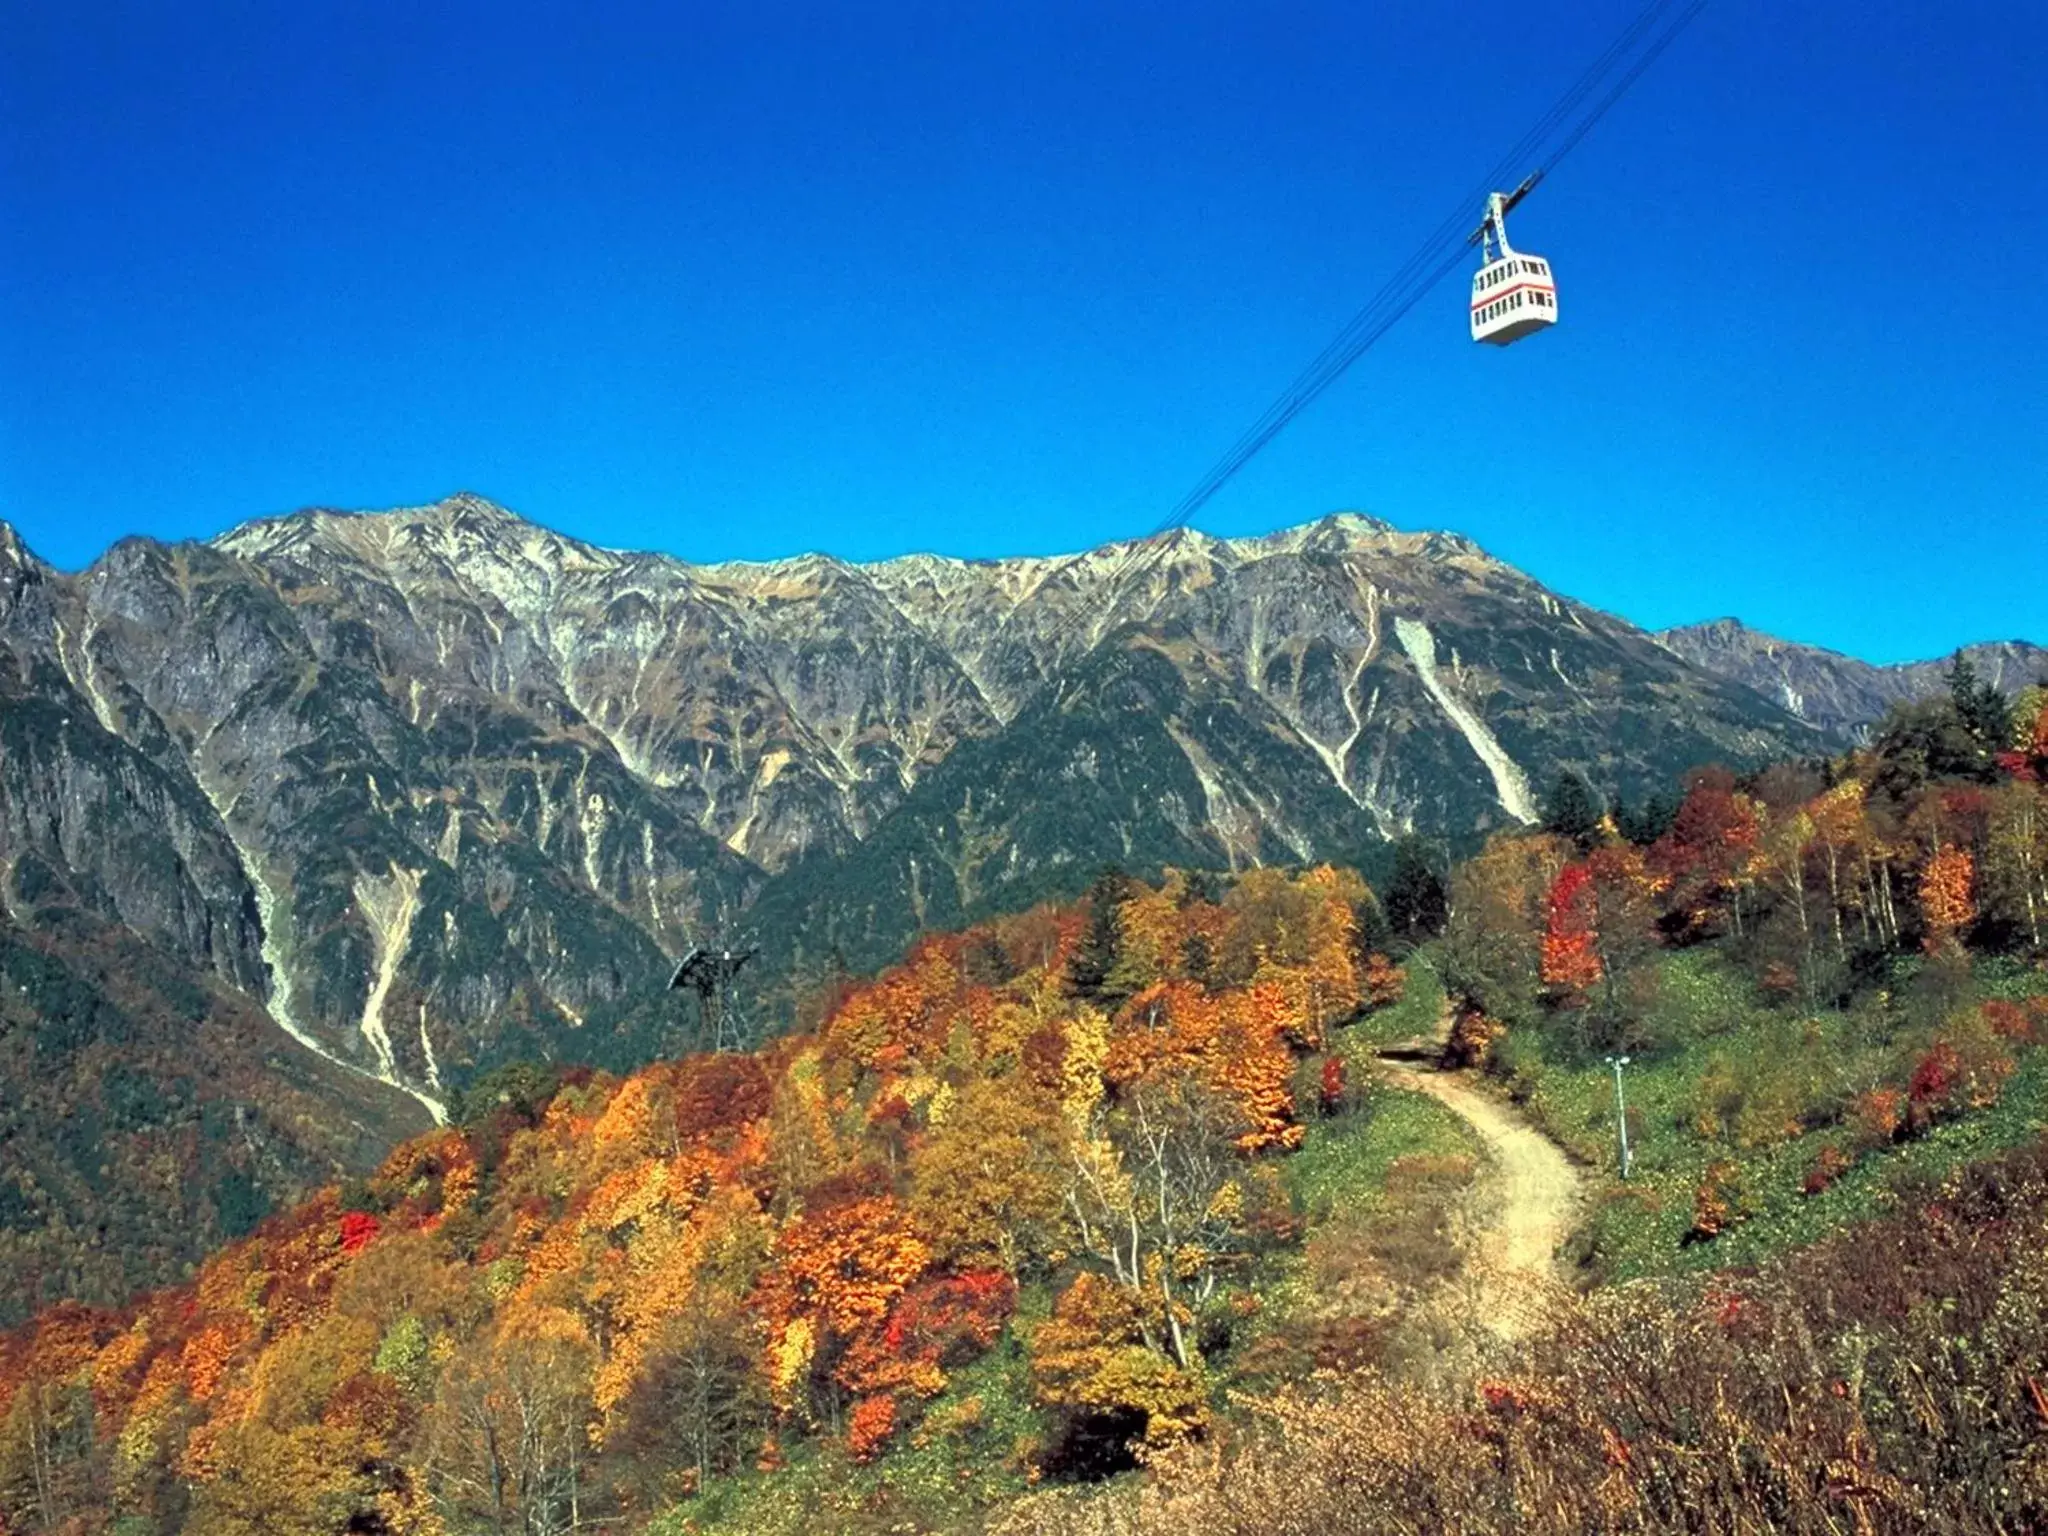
pixel 1383 982
pixel 1877 1116
pixel 1832 1163
pixel 2009 1021
pixel 1718 1202
pixel 1331 1096
pixel 870 1425
pixel 1473 1036
pixel 1887 1382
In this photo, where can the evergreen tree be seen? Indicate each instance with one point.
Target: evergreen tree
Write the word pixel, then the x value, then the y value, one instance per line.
pixel 984 961
pixel 1416 904
pixel 1370 926
pixel 1572 809
pixel 1101 945
pixel 1644 824
pixel 1980 706
pixel 1920 742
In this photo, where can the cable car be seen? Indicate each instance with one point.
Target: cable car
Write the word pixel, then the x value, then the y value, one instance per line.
pixel 1513 293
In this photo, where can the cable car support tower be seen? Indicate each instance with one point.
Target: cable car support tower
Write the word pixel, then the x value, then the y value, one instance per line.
pixel 711 971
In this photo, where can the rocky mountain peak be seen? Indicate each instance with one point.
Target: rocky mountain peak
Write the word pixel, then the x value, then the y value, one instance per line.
pixel 482 777
pixel 1724 633
pixel 24 579
pixel 12 550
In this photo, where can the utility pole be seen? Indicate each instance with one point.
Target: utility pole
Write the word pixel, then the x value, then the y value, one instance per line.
pixel 1620 1110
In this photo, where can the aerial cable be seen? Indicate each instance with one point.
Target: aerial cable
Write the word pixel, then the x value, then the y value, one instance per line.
pixel 1417 275
pixel 1343 350
pixel 1621 86
pixel 1453 224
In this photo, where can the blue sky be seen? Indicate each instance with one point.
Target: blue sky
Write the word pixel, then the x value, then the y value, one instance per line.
pixel 746 279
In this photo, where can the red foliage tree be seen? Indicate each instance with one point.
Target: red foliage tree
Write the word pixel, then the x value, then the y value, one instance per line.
pixel 356 1230
pixel 1571 955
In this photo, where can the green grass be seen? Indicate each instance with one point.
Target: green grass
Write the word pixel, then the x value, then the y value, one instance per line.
pixel 1414 1016
pixel 1343 1162
pixel 1639 1228
pixel 1759 1071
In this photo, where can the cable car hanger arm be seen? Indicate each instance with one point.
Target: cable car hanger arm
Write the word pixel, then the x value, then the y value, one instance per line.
pixel 1506 205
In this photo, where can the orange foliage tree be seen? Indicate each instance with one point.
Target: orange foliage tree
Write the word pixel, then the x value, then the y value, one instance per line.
pixel 1946 895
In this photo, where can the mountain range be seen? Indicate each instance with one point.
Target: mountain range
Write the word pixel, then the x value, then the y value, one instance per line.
pixel 360 805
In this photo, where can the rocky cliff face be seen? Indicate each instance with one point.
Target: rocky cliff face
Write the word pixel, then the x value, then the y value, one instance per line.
pixel 1838 693
pixel 439 787
pixel 149 1108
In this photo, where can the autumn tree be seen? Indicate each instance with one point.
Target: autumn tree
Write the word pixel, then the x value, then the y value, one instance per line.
pixel 315 1447
pixel 1571 952
pixel 1095 1363
pixel 1705 859
pixel 507 1442
pixel 987 1187
pixel 1493 945
pixel 1154 1195
pixel 835 1273
pixel 2026 754
pixel 698 1404
pixel 2014 877
pixel 1844 845
pixel 1947 896
pixel 1269 916
pixel 1795 925
pixel 1598 932
pixel 1148 938
pixel 48 1474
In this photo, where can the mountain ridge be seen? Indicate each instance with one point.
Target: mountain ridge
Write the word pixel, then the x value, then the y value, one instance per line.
pixel 474 782
pixel 1831 689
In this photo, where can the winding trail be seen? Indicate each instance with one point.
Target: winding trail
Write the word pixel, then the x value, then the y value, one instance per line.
pixel 1525 1205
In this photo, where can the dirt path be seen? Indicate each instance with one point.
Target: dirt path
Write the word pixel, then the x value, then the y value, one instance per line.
pixel 1523 1209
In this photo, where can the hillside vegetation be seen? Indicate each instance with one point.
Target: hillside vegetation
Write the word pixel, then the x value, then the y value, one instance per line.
pixel 598 1296
pixel 1113 1183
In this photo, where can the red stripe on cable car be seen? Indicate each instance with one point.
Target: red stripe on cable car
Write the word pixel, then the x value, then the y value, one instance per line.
pixel 1495 298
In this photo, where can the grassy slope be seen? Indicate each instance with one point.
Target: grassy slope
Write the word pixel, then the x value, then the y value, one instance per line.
pixel 1773 1071
pixel 1415 1017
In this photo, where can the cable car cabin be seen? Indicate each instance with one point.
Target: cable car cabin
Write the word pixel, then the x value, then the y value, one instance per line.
pixel 1513 297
